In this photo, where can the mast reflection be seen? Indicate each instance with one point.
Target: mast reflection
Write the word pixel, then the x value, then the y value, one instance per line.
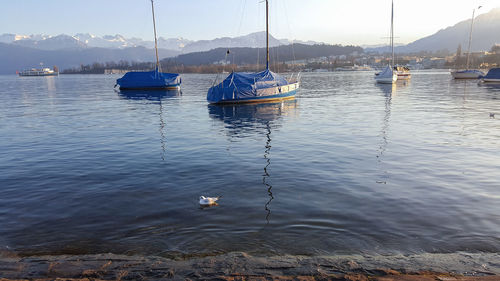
pixel 389 90
pixel 155 96
pixel 266 175
pixel 261 118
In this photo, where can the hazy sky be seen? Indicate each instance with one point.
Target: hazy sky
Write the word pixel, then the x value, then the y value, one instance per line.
pixel 332 21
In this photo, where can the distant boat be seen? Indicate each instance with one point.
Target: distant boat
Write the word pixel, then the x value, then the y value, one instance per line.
pixel 493 76
pixel 403 72
pixel 388 75
pixel 150 80
pixel 42 71
pixel 264 86
pixel 468 73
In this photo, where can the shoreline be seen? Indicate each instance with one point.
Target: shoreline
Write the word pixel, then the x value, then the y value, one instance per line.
pixel 241 266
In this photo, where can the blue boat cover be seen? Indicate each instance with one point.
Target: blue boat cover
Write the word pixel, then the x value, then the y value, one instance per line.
pixel 494 73
pixel 148 80
pixel 244 85
pixel 471 71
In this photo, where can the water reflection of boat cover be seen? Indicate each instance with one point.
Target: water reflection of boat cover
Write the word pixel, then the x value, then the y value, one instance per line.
pixel 241 117
pixel 148 95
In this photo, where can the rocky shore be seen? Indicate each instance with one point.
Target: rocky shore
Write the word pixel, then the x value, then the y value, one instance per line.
pixel 240 266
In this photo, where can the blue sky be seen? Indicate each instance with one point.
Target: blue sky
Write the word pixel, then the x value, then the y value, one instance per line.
pixel 331 21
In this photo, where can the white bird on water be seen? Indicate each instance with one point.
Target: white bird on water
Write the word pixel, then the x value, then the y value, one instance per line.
pixel 209 201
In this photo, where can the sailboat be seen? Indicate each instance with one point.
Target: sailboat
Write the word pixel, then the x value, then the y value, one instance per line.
pixel 388 75
pixel 492 77
pixel 244 87
pixel 150 80
pixel 468 73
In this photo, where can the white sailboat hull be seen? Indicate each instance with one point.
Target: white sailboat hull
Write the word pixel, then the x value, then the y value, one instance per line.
pixel 490 80
pixel 387 76
pixel 387 80
pixel 466 74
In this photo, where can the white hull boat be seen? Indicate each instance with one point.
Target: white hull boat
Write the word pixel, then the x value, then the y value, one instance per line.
pixel 387 76
pixel 467 74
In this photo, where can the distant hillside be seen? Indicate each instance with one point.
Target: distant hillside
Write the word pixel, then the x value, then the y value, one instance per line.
pixel 15 57
pixel 243 56
pixel 486 34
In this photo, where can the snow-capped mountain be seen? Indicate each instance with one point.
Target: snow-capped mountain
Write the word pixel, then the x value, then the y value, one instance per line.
pixel 10 38
pixel 58 42
pixel 253 40
pixel 87 40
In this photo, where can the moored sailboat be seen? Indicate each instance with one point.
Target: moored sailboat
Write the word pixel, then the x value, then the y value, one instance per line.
pixel 389 75
pixel 468 73
pixel 150 80
pixel 244 87
pixel 492 77
pixel 403 72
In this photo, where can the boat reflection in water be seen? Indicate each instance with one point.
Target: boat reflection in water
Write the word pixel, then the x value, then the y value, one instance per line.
pixel 157 96
pixel 153 95
pixel 260 118
pixel 389 91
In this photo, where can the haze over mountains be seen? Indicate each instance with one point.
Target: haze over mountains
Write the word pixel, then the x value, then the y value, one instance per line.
pixel 18 52
pixel 180 45
pixel 486 34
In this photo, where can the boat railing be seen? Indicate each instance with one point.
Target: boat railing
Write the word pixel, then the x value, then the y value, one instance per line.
pixel 216 80
pixel 295 79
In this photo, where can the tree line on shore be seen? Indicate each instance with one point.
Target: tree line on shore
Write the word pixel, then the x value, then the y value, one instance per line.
pixel 186 63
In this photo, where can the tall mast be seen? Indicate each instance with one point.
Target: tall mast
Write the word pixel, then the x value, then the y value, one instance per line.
pixel 156 41
pixel 470 37
pixel 392 32
pixel 267 34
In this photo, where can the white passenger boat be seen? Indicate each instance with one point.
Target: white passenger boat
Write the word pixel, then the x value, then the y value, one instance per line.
pixel 43 71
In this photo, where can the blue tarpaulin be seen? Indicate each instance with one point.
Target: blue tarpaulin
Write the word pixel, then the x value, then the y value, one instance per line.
pixel 243 85
pixel 149 80
pixel 494 73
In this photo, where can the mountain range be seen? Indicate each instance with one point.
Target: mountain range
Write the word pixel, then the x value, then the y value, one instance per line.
pixel 25 51
pixel 180 45
pixel 485 35
pixel 18 52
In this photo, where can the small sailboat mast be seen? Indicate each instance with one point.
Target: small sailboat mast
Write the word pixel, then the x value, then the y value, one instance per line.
pixel 156 40
pixel 468 73
pixel 389 74
pixel 245 87
pixel 470 38
pixel 392 32
pixel 150 80
pixel 267 34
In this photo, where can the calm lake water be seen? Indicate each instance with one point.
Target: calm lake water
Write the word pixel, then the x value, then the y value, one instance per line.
pixel 349 166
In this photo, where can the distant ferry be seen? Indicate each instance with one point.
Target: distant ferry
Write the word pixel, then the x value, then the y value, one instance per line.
pixel 39 72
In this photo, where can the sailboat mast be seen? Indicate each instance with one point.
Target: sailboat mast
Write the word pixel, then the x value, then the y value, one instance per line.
pixel 470 39
pixel 156 40
pixel 267 34
pixel 392 32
